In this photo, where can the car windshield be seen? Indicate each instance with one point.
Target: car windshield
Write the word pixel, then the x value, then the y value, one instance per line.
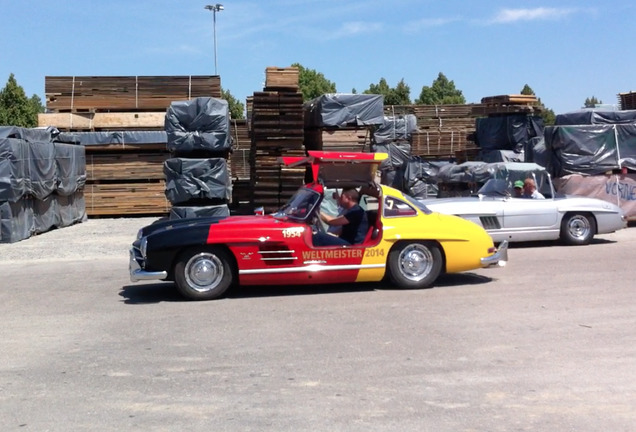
pixel 494 187
pixel 301 205
pixel 419 205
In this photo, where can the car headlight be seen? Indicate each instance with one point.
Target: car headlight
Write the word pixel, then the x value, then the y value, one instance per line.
pixel 143 244
pixel 139 234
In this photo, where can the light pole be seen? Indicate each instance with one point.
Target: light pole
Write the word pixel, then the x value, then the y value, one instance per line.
pixel 214 8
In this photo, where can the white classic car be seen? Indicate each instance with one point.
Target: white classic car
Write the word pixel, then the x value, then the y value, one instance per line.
pixel 572 219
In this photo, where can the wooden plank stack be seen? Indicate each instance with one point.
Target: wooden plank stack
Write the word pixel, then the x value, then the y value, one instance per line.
pixel 445 131
pixel 507 104
pixel 123 179
pixel 125 93
pixel 627 100
pixel 277 129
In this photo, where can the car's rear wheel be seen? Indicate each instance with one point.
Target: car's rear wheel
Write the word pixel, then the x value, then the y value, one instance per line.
pixel 577 229
pixel 203 273
pixel 415 265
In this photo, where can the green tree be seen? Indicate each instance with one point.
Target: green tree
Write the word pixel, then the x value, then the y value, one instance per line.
pixel 527 90
pixel 400 95
pixel 15 108
pixel 237 109
pixel 441 92
pixel 313 84
pixel 548 116
pixel 592 102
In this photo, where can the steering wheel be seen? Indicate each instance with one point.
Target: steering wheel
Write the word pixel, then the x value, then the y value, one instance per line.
pixel 316 224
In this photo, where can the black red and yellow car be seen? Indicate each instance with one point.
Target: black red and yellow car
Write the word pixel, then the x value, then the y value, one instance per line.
pixel 407 245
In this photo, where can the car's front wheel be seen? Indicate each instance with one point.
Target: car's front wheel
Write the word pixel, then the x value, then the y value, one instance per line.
pixel 577 229
pixel 415 265
pixel 203 273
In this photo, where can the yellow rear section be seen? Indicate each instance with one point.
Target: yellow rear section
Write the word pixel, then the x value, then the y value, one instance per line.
pixel 463 243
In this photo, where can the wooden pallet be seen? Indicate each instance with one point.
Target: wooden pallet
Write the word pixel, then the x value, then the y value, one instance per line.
pixel 281 78
pixel 512 99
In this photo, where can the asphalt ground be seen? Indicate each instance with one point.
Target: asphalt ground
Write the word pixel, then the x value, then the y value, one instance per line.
pixel 545 343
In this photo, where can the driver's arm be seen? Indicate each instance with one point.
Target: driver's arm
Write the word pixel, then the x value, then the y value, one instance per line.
pixel 333 220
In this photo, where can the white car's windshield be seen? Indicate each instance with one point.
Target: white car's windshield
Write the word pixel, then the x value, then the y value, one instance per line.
pixel 494 187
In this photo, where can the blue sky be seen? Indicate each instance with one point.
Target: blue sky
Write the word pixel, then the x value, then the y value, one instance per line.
pixel 566 50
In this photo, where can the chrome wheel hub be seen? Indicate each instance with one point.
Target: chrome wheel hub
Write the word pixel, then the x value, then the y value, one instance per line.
pixel 204 271
pixel 579 227
pixel 416 262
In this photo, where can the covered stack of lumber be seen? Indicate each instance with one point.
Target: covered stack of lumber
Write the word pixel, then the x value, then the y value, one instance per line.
pixel 276 125
pixel 198 179
pixel 508 128
pixel 342 122
pixel 41 183
pixel 120 122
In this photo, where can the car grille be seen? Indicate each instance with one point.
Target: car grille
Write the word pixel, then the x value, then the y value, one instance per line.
pixel 490 222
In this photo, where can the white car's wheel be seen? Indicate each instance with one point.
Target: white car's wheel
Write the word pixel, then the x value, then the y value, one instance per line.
pixel 577 229
pixel 415 265
pixel 203 273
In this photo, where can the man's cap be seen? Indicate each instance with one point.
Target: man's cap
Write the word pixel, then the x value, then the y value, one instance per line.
pixel 519 184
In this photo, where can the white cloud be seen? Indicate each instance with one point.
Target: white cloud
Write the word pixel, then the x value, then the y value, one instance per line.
pixel 536 14
pixel 354 28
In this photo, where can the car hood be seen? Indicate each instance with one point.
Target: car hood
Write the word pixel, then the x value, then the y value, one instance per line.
pixel 227 223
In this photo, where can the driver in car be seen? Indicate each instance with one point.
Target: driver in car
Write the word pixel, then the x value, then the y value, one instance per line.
pixel 353 221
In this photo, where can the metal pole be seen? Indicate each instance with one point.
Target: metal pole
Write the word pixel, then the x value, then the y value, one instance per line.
pixel 214 8
pixel 214 25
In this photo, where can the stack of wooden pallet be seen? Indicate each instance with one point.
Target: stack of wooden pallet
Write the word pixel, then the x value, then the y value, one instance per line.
pixel 507 104
pixel 284 79
pixel 445 131
pixel 277 129
pixel 627 100
pixel 124 177
pixel 348 139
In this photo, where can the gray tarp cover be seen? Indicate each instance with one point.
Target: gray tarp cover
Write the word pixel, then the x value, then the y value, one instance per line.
pixel 492 156
pixel 591 149
pixel 198 124
pixel 196 179
pixel 343 109
pixel 406 172
pixel 38 166
pixel 28 134
pixel 395 128
pixel 507 132
pixel 480 172
pixel 40 182
pixel 71 168
pixel 42 173
pixel 19 220
pixel 185 212
pixel 113 137
pixel 14 165
pixel 595 116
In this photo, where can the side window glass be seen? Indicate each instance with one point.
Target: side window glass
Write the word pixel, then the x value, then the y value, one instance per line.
pixel 396 208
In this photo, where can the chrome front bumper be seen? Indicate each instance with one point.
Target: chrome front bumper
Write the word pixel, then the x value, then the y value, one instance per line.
pixel 499 258
pixel 138 274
